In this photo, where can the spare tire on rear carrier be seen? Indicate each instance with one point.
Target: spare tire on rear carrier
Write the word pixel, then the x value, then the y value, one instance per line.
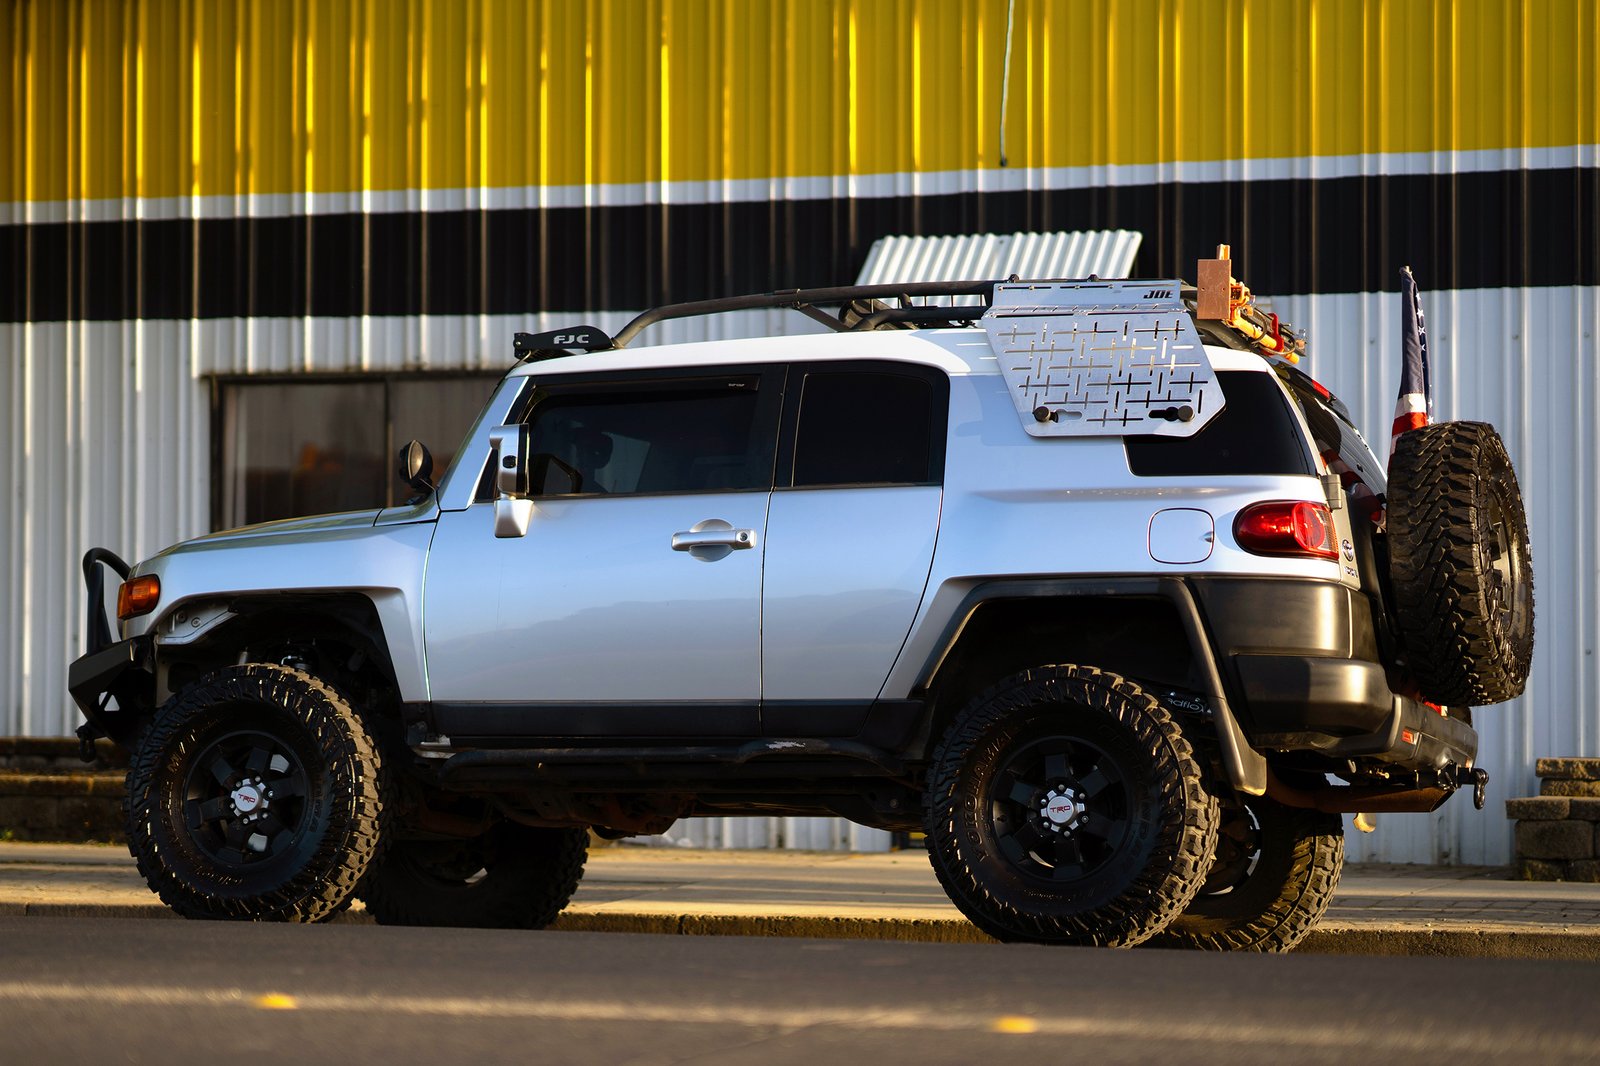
pixel 1460 564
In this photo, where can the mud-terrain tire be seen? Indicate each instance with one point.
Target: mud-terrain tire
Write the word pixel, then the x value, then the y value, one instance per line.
pixel 254 795
pixel 513 877
pixel 1273 878
pixel 1065 806
pixel 1460 564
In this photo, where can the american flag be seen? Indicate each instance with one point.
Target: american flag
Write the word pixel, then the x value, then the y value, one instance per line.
pixel 1414 407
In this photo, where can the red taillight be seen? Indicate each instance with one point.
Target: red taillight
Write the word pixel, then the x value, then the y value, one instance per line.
pixel 138 596
pixel 1287 527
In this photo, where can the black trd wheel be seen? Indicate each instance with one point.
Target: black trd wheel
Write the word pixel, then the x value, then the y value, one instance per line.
pixel 1273 877
pixel 1460 564
pixel 514 877
pixel 254 795
pixel 1065 806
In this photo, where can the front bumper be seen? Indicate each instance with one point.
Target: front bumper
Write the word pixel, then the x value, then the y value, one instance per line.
pixel 120 674
pixel 113 679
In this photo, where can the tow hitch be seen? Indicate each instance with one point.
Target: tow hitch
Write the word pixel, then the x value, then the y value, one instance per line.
pixel 1479 780
pixel 1380 799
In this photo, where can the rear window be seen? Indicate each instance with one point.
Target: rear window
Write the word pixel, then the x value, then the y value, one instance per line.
pixel 844 438
pixel 1341 445
pixel 1255 433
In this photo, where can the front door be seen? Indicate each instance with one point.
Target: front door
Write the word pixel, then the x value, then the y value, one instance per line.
pixel 633 604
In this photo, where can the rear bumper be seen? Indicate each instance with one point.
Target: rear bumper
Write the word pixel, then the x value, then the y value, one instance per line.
pixel 1342 708
pixel 1302 659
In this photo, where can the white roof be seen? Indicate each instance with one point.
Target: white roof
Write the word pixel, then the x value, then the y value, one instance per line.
pixel 955 351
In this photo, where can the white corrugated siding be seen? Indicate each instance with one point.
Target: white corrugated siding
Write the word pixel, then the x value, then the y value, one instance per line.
pixel 1106 253
pixel 107 436
pixel 1525 360
pixel 798 834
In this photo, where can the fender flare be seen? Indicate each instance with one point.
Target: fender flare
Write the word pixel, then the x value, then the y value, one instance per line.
pixel 1246 768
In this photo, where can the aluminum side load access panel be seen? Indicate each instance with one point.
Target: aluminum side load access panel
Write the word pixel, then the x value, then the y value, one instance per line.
pixel 1084 580
pixel 1102 359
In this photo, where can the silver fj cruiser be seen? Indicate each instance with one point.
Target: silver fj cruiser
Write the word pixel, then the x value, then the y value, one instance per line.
pixel 1086 581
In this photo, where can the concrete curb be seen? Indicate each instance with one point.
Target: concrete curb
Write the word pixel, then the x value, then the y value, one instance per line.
pixel 13 908
pixel 1492 942
pixel 1482 942
pixel 919 930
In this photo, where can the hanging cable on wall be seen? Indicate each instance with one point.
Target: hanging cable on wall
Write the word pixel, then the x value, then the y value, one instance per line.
pixel 1005 80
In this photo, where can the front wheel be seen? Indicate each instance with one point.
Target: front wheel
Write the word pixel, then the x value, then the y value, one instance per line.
pixel 1274 875
pixel 254 795
pixel 513 877
pixel 1065 806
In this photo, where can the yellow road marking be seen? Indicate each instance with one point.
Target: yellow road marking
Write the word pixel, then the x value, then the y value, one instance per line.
pixel 1340 1035
pixel 1013 1023
pixel 276 1001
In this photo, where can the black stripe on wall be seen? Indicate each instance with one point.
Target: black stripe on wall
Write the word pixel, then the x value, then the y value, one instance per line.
pixel 1461 231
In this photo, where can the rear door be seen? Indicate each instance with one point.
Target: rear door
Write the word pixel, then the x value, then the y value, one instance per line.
pixel 850 537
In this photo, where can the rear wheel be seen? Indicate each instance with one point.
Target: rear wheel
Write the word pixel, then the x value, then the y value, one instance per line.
pixel 1274 875
pixel 514 876
pixel 1460 564
pixel 1065 806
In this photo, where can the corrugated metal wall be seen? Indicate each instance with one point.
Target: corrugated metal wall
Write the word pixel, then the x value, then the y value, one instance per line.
pixel 199 186
pixel 1106 254
pixel 337 157
pixel 1527 360
pixel 185 98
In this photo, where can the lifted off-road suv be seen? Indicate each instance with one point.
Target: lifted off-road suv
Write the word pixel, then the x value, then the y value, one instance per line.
pixel 1084 580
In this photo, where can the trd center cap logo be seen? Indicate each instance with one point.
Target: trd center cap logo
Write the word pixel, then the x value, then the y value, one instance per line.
pixel 246 799
pixel 1061 810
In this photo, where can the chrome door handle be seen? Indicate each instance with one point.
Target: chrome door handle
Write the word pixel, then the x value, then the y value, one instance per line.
pixel 689 540
pixel 712 539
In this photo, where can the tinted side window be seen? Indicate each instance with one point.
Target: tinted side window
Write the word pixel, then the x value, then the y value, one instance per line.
pixel 1341 445
pixel 864 429
pixel 680 440
pixel 1256 433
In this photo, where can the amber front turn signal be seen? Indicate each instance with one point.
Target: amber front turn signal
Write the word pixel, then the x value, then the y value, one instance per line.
pixel 138 596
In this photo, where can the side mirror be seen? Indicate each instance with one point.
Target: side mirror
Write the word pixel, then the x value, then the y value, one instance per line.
pixel 512 508
pixel 416 466
pixel 510 444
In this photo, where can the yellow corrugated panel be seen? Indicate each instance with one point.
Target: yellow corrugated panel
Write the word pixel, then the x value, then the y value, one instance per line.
pixel 13 106
pixel 215 103
pixel 212 97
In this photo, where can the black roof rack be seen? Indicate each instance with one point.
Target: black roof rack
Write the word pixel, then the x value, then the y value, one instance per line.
pixel 867 307
pixel 860 306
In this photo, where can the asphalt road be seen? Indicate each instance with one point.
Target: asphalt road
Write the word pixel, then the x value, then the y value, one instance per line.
pixel 117 990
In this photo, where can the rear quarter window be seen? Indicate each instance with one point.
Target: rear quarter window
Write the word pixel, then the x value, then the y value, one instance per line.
pixel 1255 433
pixel 1335 436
